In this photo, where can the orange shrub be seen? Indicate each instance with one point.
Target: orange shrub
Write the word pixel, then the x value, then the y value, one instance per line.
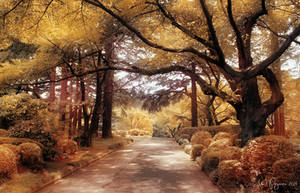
pixel 260 154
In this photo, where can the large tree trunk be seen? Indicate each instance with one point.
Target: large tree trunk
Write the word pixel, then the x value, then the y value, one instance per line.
pixel 107 104
pixel 249 113
pixel 253 114
pixel 194 108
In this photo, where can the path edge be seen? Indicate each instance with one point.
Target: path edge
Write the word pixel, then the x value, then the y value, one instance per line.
pixel 69 172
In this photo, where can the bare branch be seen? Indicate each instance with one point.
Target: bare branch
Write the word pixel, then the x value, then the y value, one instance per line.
pixel 13 8
pixel 44 12
pixel 266 26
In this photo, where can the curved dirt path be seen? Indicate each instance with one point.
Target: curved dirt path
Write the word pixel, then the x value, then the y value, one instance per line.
pixel 150 165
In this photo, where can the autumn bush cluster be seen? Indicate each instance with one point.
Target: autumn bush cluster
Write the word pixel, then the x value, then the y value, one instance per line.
pixel 266 164
pixel 12 156
pixel 30 135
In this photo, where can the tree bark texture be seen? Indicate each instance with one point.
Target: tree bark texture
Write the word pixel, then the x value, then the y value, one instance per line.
pixel 194 108
pixel 107 104
pixel 52 85
pixel 63 97
pixel 279 122
pixel 98 101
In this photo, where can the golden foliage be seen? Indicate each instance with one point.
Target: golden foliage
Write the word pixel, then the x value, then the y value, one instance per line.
pixel 133 119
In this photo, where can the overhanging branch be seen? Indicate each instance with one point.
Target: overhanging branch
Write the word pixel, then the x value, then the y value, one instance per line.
pixel 181 28
pixel 257 69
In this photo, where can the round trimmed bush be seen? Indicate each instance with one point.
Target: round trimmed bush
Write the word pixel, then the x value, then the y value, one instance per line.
pixel 31 155
pixel 68 146
pixel 221 143
pixel 286 174
pixel 15 149
pixel 222 135
pixel 231 174
pixel 196 151
pixel 45 138
pixel 260 154
pixel 201 137
pixel 213 155
pixel 8 163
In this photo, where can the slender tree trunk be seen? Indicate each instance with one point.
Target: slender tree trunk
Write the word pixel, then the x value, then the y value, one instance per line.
pixel 52 85
pixel 63 97
pixel 209 111
pixel 108 92
pixel 71 111
pixel 279 122
pixel 97 107
pixel 77 117
pixel 194 108
pixel 87 134
pixel 107 104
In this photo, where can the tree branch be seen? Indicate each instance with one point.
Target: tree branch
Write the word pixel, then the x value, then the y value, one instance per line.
pixel 276 98
pixel 181 28
pixel 266 26
pixel 239 40
pixel 229 71
pixel 144 39
pixel 13 8
pixel 212 32
pixel 262 12
pixel 44 12
pixel 256 69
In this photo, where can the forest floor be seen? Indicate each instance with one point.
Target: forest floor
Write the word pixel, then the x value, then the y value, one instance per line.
pixel 150 165
pixel 27 181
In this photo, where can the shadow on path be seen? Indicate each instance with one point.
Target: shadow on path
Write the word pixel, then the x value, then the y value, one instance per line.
pixel 150 165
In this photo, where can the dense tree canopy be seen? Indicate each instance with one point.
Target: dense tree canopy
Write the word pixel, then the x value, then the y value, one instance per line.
pixel 227 41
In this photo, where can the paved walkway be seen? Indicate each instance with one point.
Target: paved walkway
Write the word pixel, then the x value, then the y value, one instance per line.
pixel 150 165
